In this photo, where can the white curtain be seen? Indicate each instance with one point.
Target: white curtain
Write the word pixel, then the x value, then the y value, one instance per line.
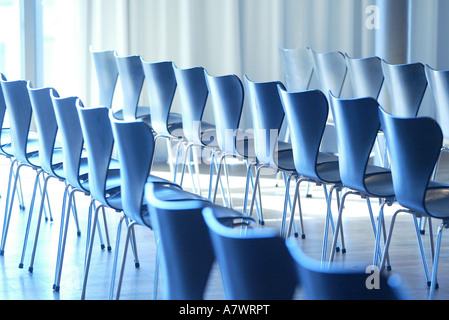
pixel 243 36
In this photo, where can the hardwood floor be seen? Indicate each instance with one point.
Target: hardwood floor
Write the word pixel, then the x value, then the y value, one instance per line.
pixel 19 284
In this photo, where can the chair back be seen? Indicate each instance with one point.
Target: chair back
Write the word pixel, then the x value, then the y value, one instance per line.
pixel 357 125
pixel 161 85
pixel 414 146
pixel 46 125
pixel 135 147
pixel 439 85
pixel 306 113
pixel 18 106
pixel 184 242
pixel 330 69
pixel 406 85
pixel 254 266
pixel 297 68
pixel 107 75
pixel 71 138
pixel 2 119
pixel 131 78
pixel 320 283
pixel 99 142
pixel 227 94
pixel 366 76
pixel 267 116
pixel 193 95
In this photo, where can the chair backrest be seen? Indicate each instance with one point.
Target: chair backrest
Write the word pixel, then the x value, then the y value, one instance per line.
pixel 267 116
pixel 107 75
pixel 135 147
pixel 18 106
pixel 297 68
pixel 439 85
pixel 366 76
pixel 357 125
pixel 71 138
pixel 186 249
pixel 193 95
pixel 406 85
pixel 2 115
pixel 414 146
pixel 46 125
pixel 306 113
pixel 226 94
pixel 320 283
pixel 99 142
pixel 330 69
pixel 254 266
pixel 161 85
pixel 131 78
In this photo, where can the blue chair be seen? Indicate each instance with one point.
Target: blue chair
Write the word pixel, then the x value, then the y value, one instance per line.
pixel 50 154
pixel 438 81
pixel 406 85
pixel 131 79
pixel 414 146
pixel 227 95
pixel 193 94
pixel 307 113
pixel 135 167
pixel 5 134
pixel 357 125
pixel 75 168
pixel 254 264
pixel 267 116
pixel 320 283
pixel 23 142
pixel 161 86
pixel 107 75
pixel 184 245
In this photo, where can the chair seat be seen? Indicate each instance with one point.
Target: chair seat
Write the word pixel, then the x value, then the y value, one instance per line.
pixel 378 182
pixel 437 200
pixel 329 172
pixel 142 113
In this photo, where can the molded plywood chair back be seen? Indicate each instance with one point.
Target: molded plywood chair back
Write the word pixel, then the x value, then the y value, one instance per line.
pixel 341 284
pixel 406 85
pixel 439 85
pixel 297 68
pixel 254 264
pixel 366 76
pixel 107 75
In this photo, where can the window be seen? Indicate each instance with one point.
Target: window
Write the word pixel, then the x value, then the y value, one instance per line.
pixel 10 58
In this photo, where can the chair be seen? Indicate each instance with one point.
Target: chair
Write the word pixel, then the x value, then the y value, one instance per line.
pixel 357 125
pixel 142 199
pixel 131 79
pixel 227 95
pixel 50 154
pixel 75 168
pixel 23 142
pixel 186 252
pixel 406 85
pixel 438 81
pixel 414 146
pixel 254 264
pixel 307 113
pixel 5 134
pixel 343 284
pixel 161 85
pixel 107 75
pixel 197 133
pixel 297 68
pixel 267 118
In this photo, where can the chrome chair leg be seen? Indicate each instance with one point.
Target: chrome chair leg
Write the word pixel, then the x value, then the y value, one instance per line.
pixel 433 285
